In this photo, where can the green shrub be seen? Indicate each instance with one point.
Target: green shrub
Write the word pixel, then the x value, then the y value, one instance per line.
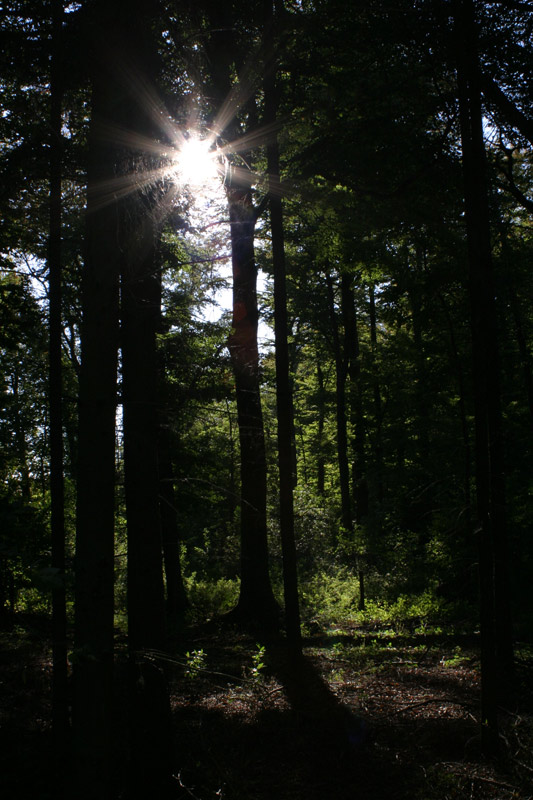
pixel 330 598
pixel 210 598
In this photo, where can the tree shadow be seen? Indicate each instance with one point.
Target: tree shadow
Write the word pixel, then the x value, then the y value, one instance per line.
pixel 310 746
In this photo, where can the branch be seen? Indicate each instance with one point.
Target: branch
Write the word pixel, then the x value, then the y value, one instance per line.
pixel 507 169
pixel 261 207
pixel 517 118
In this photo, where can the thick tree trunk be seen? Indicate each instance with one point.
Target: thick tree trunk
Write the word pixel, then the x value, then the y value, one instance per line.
pixel 149 708
pixel 496 636
pixel 285 411
pixel 256 600
pixel 93 665
pixel 140 319
pixel 59 613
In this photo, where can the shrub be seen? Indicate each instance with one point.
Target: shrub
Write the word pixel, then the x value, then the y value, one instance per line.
pixel 210 598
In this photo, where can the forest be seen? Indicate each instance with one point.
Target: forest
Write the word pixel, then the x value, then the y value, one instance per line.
pixel 266 420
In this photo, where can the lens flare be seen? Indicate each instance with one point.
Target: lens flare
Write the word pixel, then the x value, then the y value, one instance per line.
pixel 196 162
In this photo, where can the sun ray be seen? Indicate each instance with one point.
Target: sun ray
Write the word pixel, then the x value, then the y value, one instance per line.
pixel 256 138
pixel 106 192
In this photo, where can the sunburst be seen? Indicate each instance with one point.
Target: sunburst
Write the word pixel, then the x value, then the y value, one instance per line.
pixel 197 162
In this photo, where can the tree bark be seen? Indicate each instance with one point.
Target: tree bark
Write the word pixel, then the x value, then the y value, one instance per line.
pixel 378 405
pixel 60 711
pixel 321 403
pixel 256 600
pixel 256 606
pixel 140 319
pixel 284 402
pixel 94 611
pixel 176 597
pixel 496 636
pixel 341 374
pixel 359 479
pixel 465 432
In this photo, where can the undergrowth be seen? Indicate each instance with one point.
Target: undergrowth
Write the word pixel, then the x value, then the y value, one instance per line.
pixel 333 600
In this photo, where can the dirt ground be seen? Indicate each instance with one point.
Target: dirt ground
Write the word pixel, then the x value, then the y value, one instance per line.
pixel 366 715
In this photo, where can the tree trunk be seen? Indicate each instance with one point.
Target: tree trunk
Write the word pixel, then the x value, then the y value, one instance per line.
pixel 422 401
pixel 465 433
pixel 140 320
pixel 341 374
pixel 284 401
pixel 359 481
pixel 176 598
pixel 524 350
pixel 60 713
pixel 256 606
pixel 378 405
pixel 321 404
pixel 496 637
pixel 146 610
pixel 256 600
pixel 93 666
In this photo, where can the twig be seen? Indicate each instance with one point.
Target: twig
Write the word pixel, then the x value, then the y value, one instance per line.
pixel 476 776
pixel 494 782
pixel 189 792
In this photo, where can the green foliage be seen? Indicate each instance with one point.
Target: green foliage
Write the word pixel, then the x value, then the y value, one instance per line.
pixel 209 598
pixel 330 598
pixel 456 659
pixel 195 663
pixel 333 600
pixel 258 663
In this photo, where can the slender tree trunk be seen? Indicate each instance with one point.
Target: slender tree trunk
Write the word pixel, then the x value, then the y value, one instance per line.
pixel 496 646
pixel 341 374
pixel 59 613
pixel 359 481
pixel 285 410
pixel 465 432
pixel 20 440
pixel 321 403
pixel 422 400
pixel 232 494
pixel 176 598
pixel 378 405
pixel 257 605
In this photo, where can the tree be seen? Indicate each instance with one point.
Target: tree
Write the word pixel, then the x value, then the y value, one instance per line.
pixel 138 231
pixel 94 565
pixel 256 601
pixel 284 404
pixel 496 646
pixel 57 522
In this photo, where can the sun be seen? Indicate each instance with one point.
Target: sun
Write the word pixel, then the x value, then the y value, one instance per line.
pixel 196 162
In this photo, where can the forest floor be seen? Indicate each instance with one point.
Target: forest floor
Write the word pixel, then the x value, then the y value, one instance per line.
pixel 369 714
